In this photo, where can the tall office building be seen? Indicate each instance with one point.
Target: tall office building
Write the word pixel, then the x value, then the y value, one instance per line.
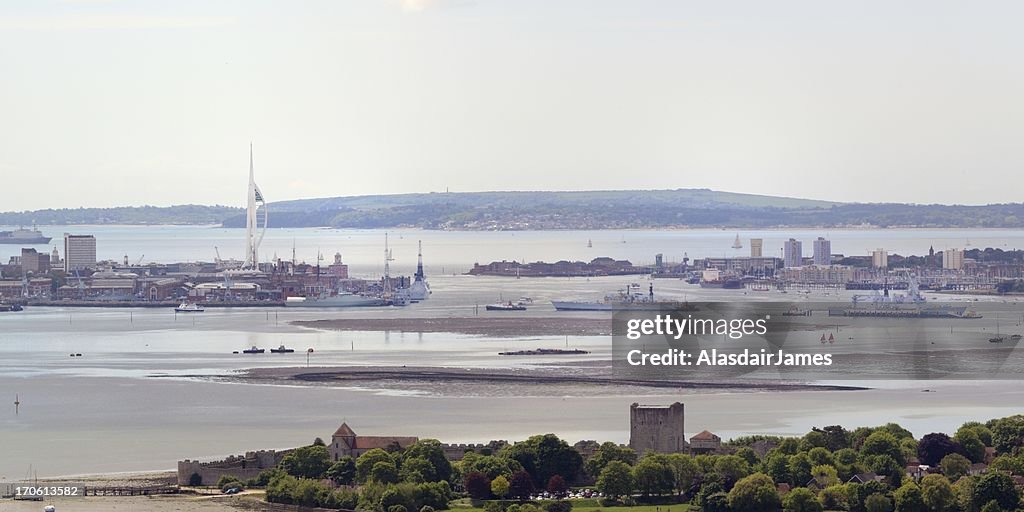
pixel 756 244
pixel 880 258
pixel 822 252
pixel 793 253
pixel 953 259
pixel 79 252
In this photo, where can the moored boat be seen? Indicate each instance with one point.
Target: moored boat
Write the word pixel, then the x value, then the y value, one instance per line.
pixel 253 350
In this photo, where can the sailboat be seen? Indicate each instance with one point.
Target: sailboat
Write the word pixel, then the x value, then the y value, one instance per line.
pixel 590 243
pixel 737 244
pixel 997 338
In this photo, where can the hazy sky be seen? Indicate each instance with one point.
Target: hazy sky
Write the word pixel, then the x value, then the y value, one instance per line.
pixel 126 103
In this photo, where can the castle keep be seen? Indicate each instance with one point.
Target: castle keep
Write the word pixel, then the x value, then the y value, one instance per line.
pixel 657 428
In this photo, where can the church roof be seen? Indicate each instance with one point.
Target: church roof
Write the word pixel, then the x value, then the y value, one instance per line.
pixel 344 431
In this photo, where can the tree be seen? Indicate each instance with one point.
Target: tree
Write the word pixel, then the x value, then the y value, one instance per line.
pixel 980 430
pixel 318 442
pixel 732 468
pixel 748 454
pixel 607 452
pixel 307 462
pixel 955 466
pixel 490 465
pixel 653 477
pixel 384 472
pixel 417 470
pixel 477 485
pixel 877 503
pixel 824 476
pixel 908 498
pixel 835 497
pixel 937 493
pixel 342 472
pixel 886 466
pixel 801 499
pixel 431 451
pixel 821 456
pixel 933 447
pixel 616 479
pixel 499 486
pixel 520 486
pixel 546 455
pixel 883 443
pixel 366 461
pixel 799 468
pixel 684 471
pixel 973 446
pixel 836 437
pixel 716 502
pixel 754 493
pixel 1008 434
pixel 557 486
pixel 777 467
pixel 998 487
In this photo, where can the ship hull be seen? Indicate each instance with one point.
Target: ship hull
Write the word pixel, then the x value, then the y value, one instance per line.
pixel 347 301
pixel 26 241
pixel 601 306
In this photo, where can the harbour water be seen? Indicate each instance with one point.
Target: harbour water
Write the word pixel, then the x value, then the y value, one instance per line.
pixel 149 390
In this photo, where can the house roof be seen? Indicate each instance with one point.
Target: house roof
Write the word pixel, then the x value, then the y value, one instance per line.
pixel 705 436
pixel 864 477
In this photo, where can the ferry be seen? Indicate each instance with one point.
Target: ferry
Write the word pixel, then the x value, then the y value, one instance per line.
pixel 24 236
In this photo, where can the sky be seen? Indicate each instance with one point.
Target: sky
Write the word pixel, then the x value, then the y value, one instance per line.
pixel 106 103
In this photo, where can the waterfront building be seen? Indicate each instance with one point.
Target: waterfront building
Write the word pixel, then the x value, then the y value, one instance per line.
pixel 792 253
pixel 750 266
pixel 79 252
pixel 756 247
pixel 953 259
pixel 657 428
pixel 818 274
pixel 880 258
pixel 822 251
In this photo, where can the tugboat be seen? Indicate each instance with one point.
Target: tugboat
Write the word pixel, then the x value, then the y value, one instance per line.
pixel 189 307
pixel 253 350
pixel 282 350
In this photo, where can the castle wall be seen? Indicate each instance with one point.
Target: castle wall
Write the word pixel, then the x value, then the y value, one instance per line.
pixel 242 467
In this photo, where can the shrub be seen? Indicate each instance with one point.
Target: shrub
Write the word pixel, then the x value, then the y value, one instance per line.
pixel 558 506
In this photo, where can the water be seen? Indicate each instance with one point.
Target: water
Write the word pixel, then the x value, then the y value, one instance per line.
pixel 131 403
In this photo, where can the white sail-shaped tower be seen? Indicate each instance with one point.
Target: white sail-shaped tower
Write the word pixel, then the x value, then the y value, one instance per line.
pixel 254 229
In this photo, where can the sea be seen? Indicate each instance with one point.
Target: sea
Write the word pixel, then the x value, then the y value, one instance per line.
pixel 152 387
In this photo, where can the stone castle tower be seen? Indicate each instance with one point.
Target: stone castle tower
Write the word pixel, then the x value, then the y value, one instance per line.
pixel 657 428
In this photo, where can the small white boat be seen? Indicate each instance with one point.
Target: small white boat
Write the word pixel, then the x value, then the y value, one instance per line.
pixel 189 307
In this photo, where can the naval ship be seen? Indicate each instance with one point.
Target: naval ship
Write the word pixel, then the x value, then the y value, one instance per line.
pixel 630 299
pixel 341 300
